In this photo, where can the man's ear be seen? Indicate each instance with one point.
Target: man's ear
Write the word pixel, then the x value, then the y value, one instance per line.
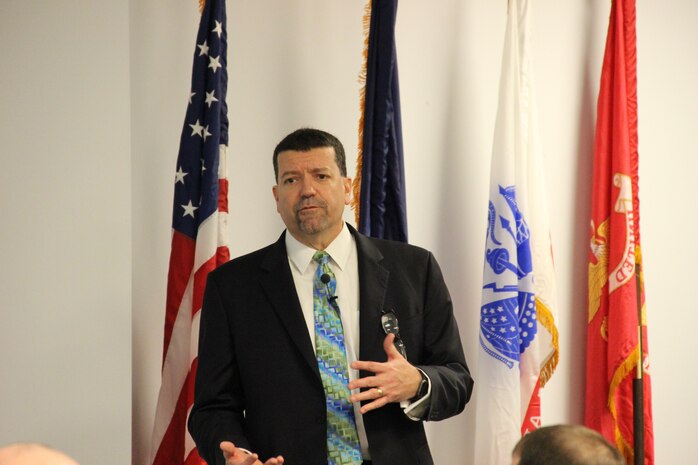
pixel 347 191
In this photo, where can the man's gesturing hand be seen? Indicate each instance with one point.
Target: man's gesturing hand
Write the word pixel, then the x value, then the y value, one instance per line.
pixel 393 381
pixel 236 456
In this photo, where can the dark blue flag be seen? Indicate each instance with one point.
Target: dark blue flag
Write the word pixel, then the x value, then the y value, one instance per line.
pixel 382 206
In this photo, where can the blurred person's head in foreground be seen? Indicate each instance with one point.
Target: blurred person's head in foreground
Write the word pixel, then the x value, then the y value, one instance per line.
pixel 565 445
pixel 33 454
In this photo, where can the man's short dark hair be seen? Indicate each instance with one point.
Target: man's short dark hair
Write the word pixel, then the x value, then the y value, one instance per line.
pixel 305 139
pixel 566 444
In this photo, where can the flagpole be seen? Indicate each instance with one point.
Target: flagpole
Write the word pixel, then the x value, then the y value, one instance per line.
pixel 638 385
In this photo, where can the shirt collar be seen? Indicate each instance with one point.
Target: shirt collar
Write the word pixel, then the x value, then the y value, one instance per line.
pixel 302 256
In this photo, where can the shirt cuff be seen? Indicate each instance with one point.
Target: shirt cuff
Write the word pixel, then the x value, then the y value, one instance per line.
pixel 417 410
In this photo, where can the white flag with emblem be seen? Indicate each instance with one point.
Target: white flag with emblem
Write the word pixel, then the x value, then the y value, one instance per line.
pixel 518 335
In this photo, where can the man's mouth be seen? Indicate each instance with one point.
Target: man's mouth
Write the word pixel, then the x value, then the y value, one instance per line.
pixel 305 208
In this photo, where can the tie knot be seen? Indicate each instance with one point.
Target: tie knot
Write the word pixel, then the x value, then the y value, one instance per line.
pixel 321 257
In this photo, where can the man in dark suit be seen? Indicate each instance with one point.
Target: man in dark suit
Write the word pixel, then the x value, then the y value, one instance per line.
pixel 260 394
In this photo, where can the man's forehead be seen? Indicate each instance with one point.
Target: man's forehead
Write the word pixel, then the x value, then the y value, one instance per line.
pixel 312 152
pixel 321 157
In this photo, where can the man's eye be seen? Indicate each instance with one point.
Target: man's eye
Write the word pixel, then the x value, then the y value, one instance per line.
pixel 322 176
pixel 289 181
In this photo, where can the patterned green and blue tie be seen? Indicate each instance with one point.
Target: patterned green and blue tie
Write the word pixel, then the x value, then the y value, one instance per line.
pixel 342 439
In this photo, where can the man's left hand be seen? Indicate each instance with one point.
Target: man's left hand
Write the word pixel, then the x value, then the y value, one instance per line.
pixel 394 380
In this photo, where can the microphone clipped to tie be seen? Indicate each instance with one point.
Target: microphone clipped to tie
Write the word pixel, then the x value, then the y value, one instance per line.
pixel 325 278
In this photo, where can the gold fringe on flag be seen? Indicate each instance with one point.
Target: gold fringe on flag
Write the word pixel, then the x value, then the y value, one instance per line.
pixel 622 372
pixel 545 317
pixel 202 4
pixel 356 185
pixel 630 364
pixel 625 369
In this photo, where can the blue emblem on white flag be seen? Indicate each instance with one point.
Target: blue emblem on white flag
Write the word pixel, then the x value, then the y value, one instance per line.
pixel 508 313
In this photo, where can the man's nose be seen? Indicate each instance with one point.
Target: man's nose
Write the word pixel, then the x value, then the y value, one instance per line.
pixel 307 187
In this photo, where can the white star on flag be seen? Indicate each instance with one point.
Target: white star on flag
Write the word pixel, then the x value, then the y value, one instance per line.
pixel 214 62
pixel 203 48
pixel 179 176
pixel 210 98
pixel 196 128
pixel 218 29
pixel 189 209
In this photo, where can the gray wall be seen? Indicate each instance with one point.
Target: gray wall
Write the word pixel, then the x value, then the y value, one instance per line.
pixel 65 240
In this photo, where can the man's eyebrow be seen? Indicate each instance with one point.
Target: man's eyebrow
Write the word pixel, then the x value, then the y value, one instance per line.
pixel 287 172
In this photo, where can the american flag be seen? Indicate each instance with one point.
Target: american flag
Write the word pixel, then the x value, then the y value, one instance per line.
pixel 198 236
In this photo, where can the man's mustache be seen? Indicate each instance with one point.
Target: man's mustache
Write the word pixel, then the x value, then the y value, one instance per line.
pixel 310 203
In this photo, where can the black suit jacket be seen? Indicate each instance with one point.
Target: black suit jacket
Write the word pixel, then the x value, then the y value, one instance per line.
pixel 258 383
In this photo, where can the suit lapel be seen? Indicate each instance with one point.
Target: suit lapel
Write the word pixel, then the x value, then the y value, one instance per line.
pixel 280 289
pixel 373 282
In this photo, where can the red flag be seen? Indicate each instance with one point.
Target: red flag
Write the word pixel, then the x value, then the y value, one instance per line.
pixel 615 259
pixel 198 236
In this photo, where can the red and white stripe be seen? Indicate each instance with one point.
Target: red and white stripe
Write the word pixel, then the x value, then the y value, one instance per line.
pixel 190 262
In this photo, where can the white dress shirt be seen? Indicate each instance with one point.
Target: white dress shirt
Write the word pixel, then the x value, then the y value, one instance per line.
pixel 345 266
